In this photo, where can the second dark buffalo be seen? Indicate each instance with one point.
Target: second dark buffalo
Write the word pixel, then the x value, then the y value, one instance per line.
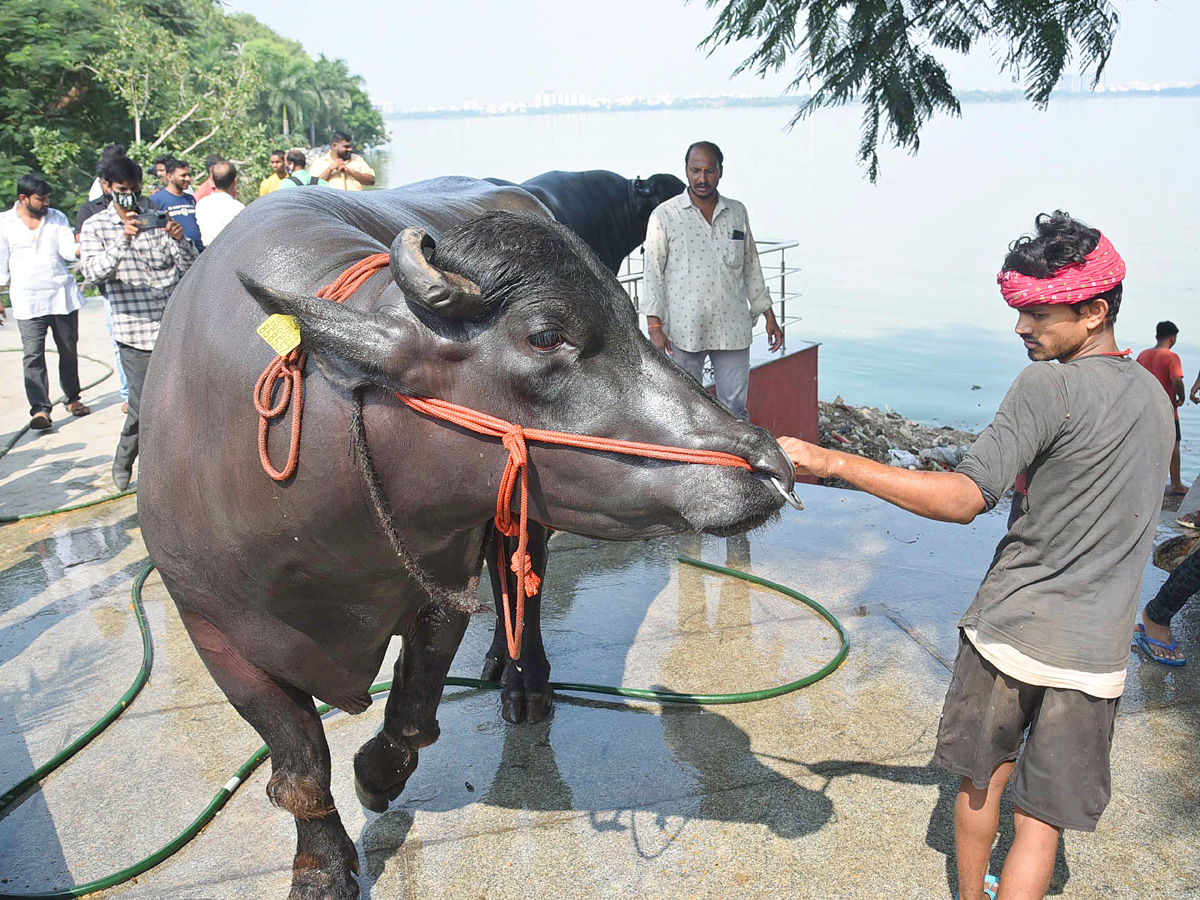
pixel 610 213
pixel 607 210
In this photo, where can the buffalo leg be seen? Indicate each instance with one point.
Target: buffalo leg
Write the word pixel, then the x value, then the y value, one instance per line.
pixel 384 763
pixel 286 719
pixel 527 696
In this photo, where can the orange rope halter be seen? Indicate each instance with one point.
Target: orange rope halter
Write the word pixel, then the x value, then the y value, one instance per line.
pixel 289 370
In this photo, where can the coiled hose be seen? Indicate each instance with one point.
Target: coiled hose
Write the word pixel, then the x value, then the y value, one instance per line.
pixel 18 792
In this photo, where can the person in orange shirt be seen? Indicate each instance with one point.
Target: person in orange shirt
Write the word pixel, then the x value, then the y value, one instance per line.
pixel 1165 365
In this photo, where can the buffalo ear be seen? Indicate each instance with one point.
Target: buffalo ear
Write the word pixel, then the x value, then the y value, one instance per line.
pixel 639 187
pixel 352 348
pixel 446 294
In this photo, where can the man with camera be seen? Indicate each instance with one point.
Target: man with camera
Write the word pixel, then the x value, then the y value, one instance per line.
pixel 136 254
pixel 344 169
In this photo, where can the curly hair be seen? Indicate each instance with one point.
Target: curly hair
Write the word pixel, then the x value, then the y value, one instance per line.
pixel 1060 241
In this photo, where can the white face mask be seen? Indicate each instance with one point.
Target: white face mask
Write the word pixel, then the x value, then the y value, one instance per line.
pixel 128 200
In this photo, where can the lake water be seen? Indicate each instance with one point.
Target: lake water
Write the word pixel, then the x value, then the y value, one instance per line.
pixel 898 278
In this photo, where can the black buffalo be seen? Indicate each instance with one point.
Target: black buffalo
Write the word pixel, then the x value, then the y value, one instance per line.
pixel 292 591
pixel 608 211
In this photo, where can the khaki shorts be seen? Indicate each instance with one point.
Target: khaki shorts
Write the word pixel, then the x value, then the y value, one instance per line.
pixel 1062 775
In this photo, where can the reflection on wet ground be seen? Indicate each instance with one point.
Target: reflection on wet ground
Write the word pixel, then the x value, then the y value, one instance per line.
pixel 824 793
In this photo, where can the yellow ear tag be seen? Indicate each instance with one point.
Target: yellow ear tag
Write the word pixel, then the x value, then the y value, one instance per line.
pixel 281 332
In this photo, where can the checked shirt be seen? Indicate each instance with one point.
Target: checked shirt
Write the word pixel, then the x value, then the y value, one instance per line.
pixel 137 275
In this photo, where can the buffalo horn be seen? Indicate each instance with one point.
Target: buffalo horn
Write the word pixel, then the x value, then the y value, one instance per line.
pixel 445 293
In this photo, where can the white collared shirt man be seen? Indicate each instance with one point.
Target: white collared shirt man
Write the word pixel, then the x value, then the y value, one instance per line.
pixel 36 243
pixel 36 261
pixel 703 287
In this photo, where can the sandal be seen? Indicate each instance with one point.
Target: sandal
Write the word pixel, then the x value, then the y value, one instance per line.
pixel 78 408
pixel 40 421
pixel 1144 642
pixel 1189 520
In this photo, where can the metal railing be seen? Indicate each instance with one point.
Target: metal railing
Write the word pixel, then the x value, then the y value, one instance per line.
pixel 776 276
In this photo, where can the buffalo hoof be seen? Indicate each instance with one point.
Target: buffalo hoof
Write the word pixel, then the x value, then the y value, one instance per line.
pixel 527 696
pixel 314 884
pixel 381 770
pixel 332 881
pixel 493 668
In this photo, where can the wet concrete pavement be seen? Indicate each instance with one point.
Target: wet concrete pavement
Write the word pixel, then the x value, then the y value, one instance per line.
pixel 72 462
pixel 825 793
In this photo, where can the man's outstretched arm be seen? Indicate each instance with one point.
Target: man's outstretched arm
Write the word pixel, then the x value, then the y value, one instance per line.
pixel 944 496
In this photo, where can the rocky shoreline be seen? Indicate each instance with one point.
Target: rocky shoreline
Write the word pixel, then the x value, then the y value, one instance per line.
pixel 888 437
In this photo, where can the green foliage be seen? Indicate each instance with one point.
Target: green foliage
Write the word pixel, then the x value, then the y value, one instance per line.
pixel 301 95
pixel 41 85
pixel 886 52
pixel 162 76
pixel 54 152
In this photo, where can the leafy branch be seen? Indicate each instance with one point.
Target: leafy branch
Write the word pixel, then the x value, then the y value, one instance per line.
pixel 885 52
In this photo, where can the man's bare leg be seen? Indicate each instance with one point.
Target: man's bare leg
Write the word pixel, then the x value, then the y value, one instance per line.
pixel 1030 862
pixel 976 820
pixel 1176 487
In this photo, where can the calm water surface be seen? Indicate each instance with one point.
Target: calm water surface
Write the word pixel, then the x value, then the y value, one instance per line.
pixel 898 278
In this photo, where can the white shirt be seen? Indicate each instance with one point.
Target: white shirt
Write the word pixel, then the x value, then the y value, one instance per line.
pixel 214 212
pixel 1015 664
pixel 703 281
pixel 36 260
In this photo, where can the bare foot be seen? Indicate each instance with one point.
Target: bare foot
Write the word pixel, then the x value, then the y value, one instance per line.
pixel 1163 635
pixel 1177 490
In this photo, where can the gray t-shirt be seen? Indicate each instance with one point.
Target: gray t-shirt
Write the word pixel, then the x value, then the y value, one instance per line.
pixel 1094 437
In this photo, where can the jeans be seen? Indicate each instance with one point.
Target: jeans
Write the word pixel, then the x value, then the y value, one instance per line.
pixel 65 329
pixel 1183 583
pixel 731 372
pixel 134 362
pixel 116 350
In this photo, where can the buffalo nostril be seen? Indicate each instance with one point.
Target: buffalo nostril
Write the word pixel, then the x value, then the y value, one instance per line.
pixel 771 460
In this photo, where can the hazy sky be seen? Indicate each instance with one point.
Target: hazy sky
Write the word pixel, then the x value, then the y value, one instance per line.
pixel 440 54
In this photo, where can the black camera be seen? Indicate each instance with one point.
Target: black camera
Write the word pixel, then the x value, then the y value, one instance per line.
pixel 150 218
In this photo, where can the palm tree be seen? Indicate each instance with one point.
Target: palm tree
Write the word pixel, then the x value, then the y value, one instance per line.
pixel 333 76
pixel 289 80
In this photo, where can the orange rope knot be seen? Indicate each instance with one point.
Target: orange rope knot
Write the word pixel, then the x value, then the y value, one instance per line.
pixel 290 370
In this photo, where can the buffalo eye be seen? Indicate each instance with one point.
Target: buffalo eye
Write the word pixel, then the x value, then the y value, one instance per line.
pixel 550 339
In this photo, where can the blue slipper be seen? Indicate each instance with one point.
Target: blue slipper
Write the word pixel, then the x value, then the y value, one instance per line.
pixel 991 884
pixel 1145 642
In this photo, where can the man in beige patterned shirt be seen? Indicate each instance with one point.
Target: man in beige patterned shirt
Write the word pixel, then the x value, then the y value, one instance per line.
pixel 344 169
pixel 703 285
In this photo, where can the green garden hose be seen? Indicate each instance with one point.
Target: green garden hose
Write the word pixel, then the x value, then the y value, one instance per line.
pixel 8 520
pixel 19 791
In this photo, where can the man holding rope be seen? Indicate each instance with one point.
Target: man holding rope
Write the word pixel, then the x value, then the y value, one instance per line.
pixel 1044 646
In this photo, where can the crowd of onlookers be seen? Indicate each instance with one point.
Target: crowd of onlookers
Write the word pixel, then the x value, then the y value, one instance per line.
pixel 133 241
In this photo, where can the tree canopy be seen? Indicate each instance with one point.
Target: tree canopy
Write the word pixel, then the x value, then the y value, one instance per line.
pixel 888 53
pixel 161 76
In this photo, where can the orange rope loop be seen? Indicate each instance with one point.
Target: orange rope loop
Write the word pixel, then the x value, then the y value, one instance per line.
pixel 289 370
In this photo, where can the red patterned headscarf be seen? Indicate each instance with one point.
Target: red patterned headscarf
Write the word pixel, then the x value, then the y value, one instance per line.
pixel 1100 270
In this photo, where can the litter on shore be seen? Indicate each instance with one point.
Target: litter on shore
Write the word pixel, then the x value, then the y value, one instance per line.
pixel 888 437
